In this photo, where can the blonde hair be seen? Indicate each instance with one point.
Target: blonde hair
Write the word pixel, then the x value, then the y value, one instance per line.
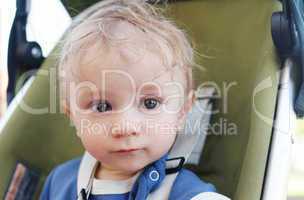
pixel 146 17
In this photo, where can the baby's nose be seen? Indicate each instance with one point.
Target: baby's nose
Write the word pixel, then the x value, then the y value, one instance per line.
pixel 128 124
pixel 125 128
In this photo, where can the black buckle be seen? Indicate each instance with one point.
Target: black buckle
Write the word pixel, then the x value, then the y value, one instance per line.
pixel 83 194
pixel 175 169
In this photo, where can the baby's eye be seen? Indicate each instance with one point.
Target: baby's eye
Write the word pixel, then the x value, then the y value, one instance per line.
pixel 151 103
pixel 102 106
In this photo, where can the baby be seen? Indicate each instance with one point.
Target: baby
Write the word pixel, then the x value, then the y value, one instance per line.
pixel 126 84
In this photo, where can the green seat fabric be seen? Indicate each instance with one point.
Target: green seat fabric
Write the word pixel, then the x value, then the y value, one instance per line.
pixel 234 41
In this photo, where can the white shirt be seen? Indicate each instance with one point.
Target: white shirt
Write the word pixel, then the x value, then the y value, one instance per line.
pixel 101 186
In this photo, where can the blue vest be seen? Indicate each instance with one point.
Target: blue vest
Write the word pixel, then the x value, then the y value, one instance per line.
pixel 61 184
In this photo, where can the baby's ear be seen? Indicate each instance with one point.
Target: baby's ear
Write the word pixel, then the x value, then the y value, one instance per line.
pixel 187 106
pixel 67 111
pixel 66 108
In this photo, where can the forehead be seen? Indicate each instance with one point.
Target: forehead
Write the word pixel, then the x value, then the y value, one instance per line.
pixel 125 58
pixel 120 70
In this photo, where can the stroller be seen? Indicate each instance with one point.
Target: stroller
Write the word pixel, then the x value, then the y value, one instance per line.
pixel 251 53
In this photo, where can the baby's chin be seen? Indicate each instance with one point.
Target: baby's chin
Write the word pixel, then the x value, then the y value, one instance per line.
pixel 130 169
pixel 130 165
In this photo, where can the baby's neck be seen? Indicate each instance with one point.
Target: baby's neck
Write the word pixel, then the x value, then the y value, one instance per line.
pixel 105 173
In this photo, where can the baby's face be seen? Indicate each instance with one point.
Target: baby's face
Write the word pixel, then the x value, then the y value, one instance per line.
pixel 126 107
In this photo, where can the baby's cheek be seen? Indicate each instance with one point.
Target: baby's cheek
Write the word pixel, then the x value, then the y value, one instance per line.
pixel 87 126
pixel 168 124
pixel 162 140
pixel 173 105
pixel 95 145
pixel 92 134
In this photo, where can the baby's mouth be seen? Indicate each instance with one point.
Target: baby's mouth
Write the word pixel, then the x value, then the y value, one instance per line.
pixel 126 151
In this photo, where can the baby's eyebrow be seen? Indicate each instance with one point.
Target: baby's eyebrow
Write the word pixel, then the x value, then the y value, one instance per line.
pixel 150 89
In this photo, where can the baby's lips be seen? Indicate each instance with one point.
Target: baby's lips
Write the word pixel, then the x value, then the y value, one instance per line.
pixel 127 150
